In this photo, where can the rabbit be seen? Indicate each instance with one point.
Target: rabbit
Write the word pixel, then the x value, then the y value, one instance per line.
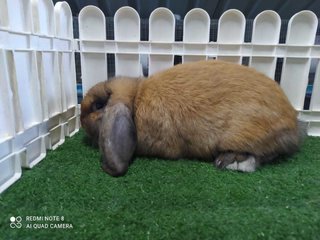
pixel 212 110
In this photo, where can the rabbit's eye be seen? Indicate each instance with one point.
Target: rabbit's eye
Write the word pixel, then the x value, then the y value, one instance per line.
pixel 97 106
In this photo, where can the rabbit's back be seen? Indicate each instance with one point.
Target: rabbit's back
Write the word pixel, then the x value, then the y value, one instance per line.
pixel 199 109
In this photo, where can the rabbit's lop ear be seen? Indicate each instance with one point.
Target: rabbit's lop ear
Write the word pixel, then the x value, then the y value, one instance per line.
pixel 117 139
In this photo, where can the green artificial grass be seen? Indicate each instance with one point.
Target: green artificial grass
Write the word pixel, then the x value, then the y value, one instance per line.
pixel 160 199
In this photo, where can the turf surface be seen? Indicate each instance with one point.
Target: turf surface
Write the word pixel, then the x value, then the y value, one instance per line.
pixel 160 199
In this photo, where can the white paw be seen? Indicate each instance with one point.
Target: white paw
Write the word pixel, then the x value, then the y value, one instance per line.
pixel 232 166
pixel 248 165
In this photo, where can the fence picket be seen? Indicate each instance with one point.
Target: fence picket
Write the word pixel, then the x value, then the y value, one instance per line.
pixel 7 123
pixel 43 19
pixel 315 97
pixel 92 27
pixel 161 18
pixel 20 21
pixel 196 32
pixel 64 29
pixel 63 20
pixel 302 30
pixel 127 35
pixel 266 33
pixel 231 29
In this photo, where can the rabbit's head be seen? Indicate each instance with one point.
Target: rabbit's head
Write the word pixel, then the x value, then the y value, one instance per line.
pixel 107 117
pixel 92 108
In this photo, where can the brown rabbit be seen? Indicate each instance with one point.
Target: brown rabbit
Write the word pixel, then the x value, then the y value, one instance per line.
pixel 210 110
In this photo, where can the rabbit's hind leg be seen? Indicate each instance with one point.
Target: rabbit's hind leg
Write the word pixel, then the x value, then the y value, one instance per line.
pixel 243 162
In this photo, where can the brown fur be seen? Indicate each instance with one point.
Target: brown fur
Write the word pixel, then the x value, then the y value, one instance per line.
pixel 201 110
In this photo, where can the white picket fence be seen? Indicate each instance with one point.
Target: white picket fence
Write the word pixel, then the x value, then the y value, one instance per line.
pixel 38 102
pixel 263 50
